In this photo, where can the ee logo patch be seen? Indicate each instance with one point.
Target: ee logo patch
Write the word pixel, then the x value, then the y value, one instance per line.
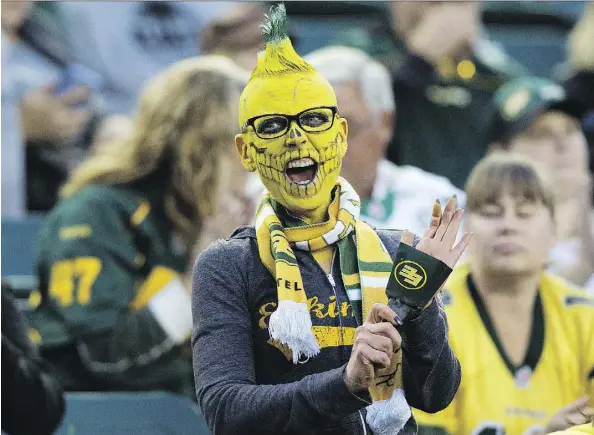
pixel 410 275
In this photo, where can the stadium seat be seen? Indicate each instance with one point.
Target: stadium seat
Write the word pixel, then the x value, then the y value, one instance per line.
pixel 19 239
pixel 131 414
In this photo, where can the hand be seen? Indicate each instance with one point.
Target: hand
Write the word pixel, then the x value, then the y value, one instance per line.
pixel 445 30
pixel 438 240
pixel 571 415
pixel 14 14
pixel 581 50
pixel 375 343
pixel 572 182
pixel 51 118
pixel 573 194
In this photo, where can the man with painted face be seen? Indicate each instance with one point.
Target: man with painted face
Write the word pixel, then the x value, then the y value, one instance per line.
pixel 292 332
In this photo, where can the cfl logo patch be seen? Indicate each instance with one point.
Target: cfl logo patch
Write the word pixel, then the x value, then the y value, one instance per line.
pixel 410 275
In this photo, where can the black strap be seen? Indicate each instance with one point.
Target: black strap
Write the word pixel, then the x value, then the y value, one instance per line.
pixel 415 280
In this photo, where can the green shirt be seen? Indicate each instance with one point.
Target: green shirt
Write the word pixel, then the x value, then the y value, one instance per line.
pixel 443 125
pixel 95 252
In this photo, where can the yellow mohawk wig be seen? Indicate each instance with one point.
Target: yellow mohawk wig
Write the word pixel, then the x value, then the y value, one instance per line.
pixel 279 57
pixel 279 67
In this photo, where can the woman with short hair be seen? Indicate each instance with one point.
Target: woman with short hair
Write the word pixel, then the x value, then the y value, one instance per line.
pixel 523 336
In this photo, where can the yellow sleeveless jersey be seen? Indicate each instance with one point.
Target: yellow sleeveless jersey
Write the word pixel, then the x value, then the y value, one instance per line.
pixel 497 398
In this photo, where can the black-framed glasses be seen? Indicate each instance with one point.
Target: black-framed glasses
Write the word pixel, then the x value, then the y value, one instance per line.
pixel 314 120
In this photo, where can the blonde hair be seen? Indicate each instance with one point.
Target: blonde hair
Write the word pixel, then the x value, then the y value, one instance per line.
pixel 184 126
pixel 503 170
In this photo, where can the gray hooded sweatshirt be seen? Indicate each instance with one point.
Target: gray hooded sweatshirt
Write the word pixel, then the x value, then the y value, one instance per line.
pixel 246 385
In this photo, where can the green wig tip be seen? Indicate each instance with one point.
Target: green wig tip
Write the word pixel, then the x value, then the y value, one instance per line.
pixel 274 28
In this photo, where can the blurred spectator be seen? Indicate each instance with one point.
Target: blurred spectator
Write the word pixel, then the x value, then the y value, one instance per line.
pixel 47 117
pixel 392 196
pixel 13 150
pixel 581 51
pixel 115 254
pixel 580 84
pixel 38 135
pixel 523 336
pixel 130 42
pixel 534 117
pixel 443 86
pixel 32 400
pixel 236 34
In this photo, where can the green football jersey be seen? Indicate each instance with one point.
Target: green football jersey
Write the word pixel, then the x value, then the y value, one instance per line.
pixel 102 254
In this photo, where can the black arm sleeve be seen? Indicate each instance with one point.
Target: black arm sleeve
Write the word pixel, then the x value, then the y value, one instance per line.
pixel 32 400
pixel 431 371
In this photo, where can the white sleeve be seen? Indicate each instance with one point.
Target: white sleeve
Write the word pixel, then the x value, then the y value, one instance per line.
pixel 172 309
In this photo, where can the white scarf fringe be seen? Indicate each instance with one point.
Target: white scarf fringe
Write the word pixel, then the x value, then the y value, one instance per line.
pixel 290 324
pixel 388 417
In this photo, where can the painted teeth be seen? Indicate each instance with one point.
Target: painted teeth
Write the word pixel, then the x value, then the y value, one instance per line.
pixel 301 163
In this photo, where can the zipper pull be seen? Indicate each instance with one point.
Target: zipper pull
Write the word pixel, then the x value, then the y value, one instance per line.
pixel 331 279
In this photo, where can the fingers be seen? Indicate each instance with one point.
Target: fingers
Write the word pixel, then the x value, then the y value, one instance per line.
pixel 71 122
pixel 387 331
pixel 76 95
pixel 373 348
pixel 578 404
pixel 587 413
pixel 377 341
pixel 376 357
pixel 578 417
pixel 407 238
pixel 380 313
pixel 578 412
pixel 49 89
pixel 438 241
pixel 379 331
pixel 435 220
pixel 448 214
pixel 81 116
pixel 458 250
pixel 449 238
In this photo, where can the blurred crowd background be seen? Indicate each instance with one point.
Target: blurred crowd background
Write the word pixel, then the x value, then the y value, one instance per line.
pixel 428 90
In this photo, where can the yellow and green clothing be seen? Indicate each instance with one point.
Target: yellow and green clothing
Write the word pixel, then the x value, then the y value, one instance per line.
pixel 496 396
pixel 104 257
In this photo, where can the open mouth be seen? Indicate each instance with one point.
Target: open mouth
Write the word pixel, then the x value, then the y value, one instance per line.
pixel 301 171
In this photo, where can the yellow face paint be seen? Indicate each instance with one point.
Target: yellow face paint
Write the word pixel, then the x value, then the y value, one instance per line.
pixel 273 91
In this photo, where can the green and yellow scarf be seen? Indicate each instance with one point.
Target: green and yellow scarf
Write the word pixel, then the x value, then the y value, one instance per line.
pixel 365 265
